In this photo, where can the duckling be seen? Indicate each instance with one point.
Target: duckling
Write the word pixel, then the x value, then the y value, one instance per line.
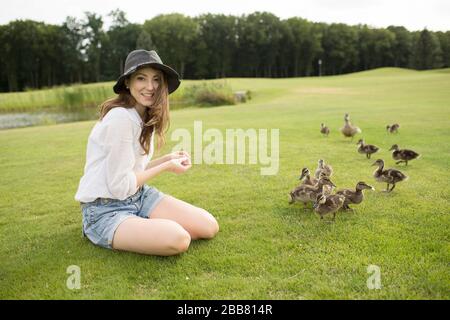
pixel 404 155
pixel 306 193
pixel 390 176
pixel 326 204
pixel 327 189
pixel 306 177
pixel 368 149
pixel 348 129
pixel 324 129
pixel 393 128
pixel 354 196
pixel 322 167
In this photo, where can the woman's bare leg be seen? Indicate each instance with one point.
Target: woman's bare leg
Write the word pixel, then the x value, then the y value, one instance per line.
pixel 154 237
pixel 198 222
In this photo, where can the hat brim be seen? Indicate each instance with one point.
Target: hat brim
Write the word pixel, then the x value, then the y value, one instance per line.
pixel 173 78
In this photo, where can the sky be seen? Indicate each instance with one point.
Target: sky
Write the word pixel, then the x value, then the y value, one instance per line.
pixel 413 14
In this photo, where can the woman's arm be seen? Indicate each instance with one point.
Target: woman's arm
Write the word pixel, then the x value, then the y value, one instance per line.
pixel 167 157
pixel 156 162
pixel 150 173
pixel 176 165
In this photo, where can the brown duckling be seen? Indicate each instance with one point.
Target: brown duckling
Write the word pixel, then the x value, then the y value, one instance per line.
pixel 327 189
pixel 393 128
pixel 324 129
pixel 354 196
pixel 390 176
pixel 349 130
pixel 404 155
pixel 326 169
pixel 306 177
pixel 306 193
pixel 327 204
pixel 368 149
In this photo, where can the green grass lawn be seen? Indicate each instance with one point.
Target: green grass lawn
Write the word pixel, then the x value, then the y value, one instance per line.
pixel 266 248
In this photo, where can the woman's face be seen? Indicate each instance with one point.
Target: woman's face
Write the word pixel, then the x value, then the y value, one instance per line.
pixel 143 85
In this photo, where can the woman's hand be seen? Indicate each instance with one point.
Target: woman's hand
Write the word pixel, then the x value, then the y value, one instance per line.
pixel 179 165
pixel 166 158
pixel 177 155
pixel 176 162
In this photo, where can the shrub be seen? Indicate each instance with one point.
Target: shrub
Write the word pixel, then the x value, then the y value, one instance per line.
pixel 209 94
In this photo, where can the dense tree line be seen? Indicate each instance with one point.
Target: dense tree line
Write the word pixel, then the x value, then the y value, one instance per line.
pixel 36 55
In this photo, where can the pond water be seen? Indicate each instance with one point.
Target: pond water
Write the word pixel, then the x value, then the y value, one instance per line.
pixel 27 119
pixel 54 116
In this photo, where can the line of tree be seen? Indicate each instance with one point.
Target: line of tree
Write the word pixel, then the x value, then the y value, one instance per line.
pixel 35 55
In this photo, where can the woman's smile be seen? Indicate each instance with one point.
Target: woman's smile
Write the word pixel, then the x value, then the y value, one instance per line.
pixel 147 96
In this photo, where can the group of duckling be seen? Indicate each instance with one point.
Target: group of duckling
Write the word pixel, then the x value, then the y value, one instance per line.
pixel 350 130
pixel 318 189
pixel 402 155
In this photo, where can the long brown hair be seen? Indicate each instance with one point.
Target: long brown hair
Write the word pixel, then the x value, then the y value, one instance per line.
pixel 156 118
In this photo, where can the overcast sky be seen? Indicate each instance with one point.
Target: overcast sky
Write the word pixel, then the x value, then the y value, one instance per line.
pixel 412 14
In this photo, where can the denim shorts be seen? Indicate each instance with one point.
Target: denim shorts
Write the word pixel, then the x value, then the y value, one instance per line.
pixel 101 217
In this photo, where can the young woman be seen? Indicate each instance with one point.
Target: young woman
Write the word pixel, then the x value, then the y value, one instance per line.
pixel 119 210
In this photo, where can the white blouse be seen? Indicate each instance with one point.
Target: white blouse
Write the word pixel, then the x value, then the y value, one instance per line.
pixel 113 157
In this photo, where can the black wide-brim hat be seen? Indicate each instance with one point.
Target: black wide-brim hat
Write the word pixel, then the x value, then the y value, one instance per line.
pixel 143 58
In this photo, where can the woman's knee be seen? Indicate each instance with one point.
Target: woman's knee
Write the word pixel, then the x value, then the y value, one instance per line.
pixel 179 242
pixel 210 226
